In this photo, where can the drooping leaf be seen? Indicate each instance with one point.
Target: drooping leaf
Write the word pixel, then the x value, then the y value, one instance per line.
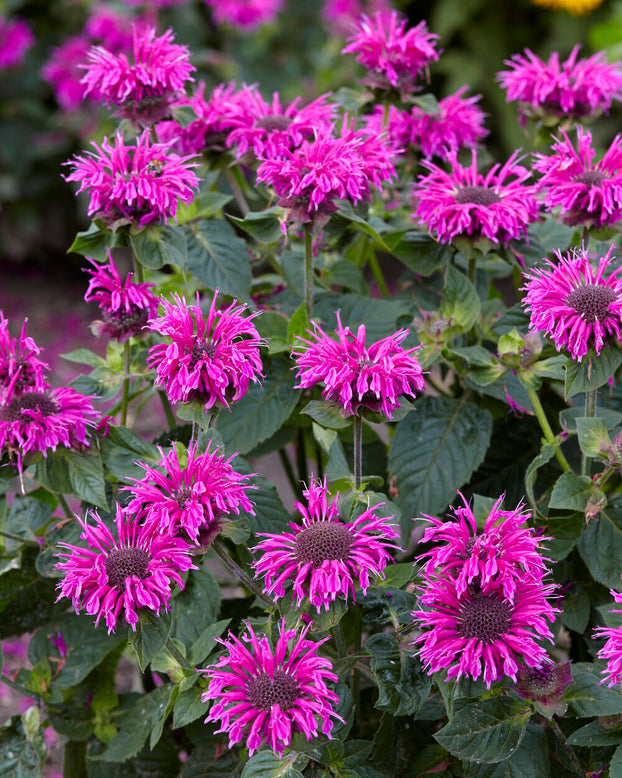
pixel 264 226
pixel 460 302
pixel 402 685
pixel 600 547
pixel 266 764
pixel 218 257
pixel 156 246
pixel 593 371
pixel 150 638
pixel 530 759
pixel 587 697
pixel 196 608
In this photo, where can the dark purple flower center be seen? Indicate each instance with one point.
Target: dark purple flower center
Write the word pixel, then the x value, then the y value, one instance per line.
pixel 541 680
pixel 12 411
pixel 201 350
pixel 121 563
pixel 182 496
pixel 120 323
pixel 590 178
pixel 591 301
pixel 324 540
pixel 263 692
pixel 26 373
pixel 478 195
pixel 273 123
pixel 484 618
pixel 468 549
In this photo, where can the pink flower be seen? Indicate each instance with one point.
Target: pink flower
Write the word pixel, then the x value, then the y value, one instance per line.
pixel 268 130
pixel 156 3
pixel 393 56
pixel 545 685
pixel 397 131
pixel 459 122
pixel 341 16
pixel 327 168
pixel 63 72
pixel 20 366
pixel 498 205
pixel 213 123
pixel 131 568
pixel 324 557
pixel 212 359
pixel 15 40
pixel 126 306
pixel 42 419
pixel 133 184
pixel 574 304
pixel 144 90
pixel 193 496
pixel 356 376
pixel 504 551
pixel 574 89
pixel 110 28
pixel 481 632
pixel 611 652
pixel 587 193
pixel 246 15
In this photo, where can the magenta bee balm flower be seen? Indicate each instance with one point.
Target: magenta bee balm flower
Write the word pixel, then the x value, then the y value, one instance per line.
pixel 15 40
pixel 611 652
pixel 119 572
pixel 126 305
pixel 356 376
pixel 393 56
pixel 552 90
pixel 574 303
pixel 323 557
pixel 261 695
pixel 246 15
pixel 192 497
pixel 20 366
pixel 498 205
pixel 586 193
pixel 209 359
pixel 144 90
pixel 133 184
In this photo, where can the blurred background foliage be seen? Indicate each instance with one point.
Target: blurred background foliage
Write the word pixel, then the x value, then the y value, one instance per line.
pixel 297 56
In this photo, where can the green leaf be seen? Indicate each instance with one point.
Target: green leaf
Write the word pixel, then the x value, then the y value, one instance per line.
pixel 435 450
pixel 427 102
pixel 587 697
pixel 530 760
pixel 264 226
pixel 298 324
pixel 93 243
pixel 460 303
pixel 205 643
pixel 188 707
pixel 203 205
pixel 378 315
pixel 157 246
pixel 615 766
pixel 346 211
pixel 26 518
pixel 86 475
pixel 194 411
pixel 262 410
pixel 487 730
pixel 422 254
pixel 218 257
pixel 149 639
pixel 122 450
pixel 594 371
pixel 571 492
pixel 196 608
pixel 270 513
pixel 544 457
pixel 85 356
pixel 266 764
pixel 593 735
pixel 237 530
pixel 402 685
pixel 593 435
pixel 576 610
pixel 21 758
pixel 326 415
pixel 600 547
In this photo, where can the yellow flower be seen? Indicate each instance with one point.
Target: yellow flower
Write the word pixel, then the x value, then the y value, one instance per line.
pixel 574 7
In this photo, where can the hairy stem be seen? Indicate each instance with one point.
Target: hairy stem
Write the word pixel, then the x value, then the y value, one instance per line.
pixel 233 567
pixel 591 402
pixel 126 383
pixel 546 429
pixel 23 541
pixel 358 451
pixel 340 640
pixel 377 272
pixel 574 759
pixel 308 270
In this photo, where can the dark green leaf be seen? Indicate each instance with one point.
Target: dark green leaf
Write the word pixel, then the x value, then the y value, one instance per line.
pixel 326 415
pixel 205 643
pixel 576 610
pixel 262 410
pixel 203 205
pixel 266 764
pixel 571 492
pixel 27 517
pixel 594 371
pixel 600 547
pixel 19 757
pixel 218 257
pixel 487 730
pixel 378 315
pixel 587 697
pixel 264 226
pixel 188 707
pixel 298 324
pixel 346 211
pixel 460 302
pixel 593 435
pixel 402 685
pixel 530 760
pixel 86 474
pixel 434 451
pixel 149 639
pixel 93 243
pixel 593 735
pixel 85 356
pixel 615 766
pixel 157 246
pixel 544 457
pixel 422 254
pixel 196 608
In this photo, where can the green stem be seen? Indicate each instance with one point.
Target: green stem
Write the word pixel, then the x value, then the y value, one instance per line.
pixel 472 270
pixel 126 383
pixel 385 114
pixel 233 567
pixel 170 645
pixel 591 402
pixel 289 472
pixel 74 759
pixel 377 272
pixel 546 429
pixel 340 640
pixel 23 541
pixel 358 451
pixel 574 759
pixel 168 411
pixel 233 177
pixel 301 457
pixel 19 688
pixel 308 270
pixel 139 272
pixel 64 504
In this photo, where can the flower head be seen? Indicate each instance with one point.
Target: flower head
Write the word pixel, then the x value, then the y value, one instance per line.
pixel 356 376
pixel 480 632
pixel 15 40
pixel 134 184
pixel 39 419
pixel 266 130
pixel 262 694
pixel 458 122
pixel 505 550
pixel 126 306
pixel 587 193
pixel 611 652
pixel 118 572
pixel 246 15
pixel 498 205
pixel 396 131
pixel 193 497
pixel 574 303
pixel 110 28
pixel 322 556
pixel 552 90
pixel 63 72
pixel 393 56
pixel 342 16
pixel 142 91
pixel 210 359
pixel 327 168
pixel 545 686
pixel 20 366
